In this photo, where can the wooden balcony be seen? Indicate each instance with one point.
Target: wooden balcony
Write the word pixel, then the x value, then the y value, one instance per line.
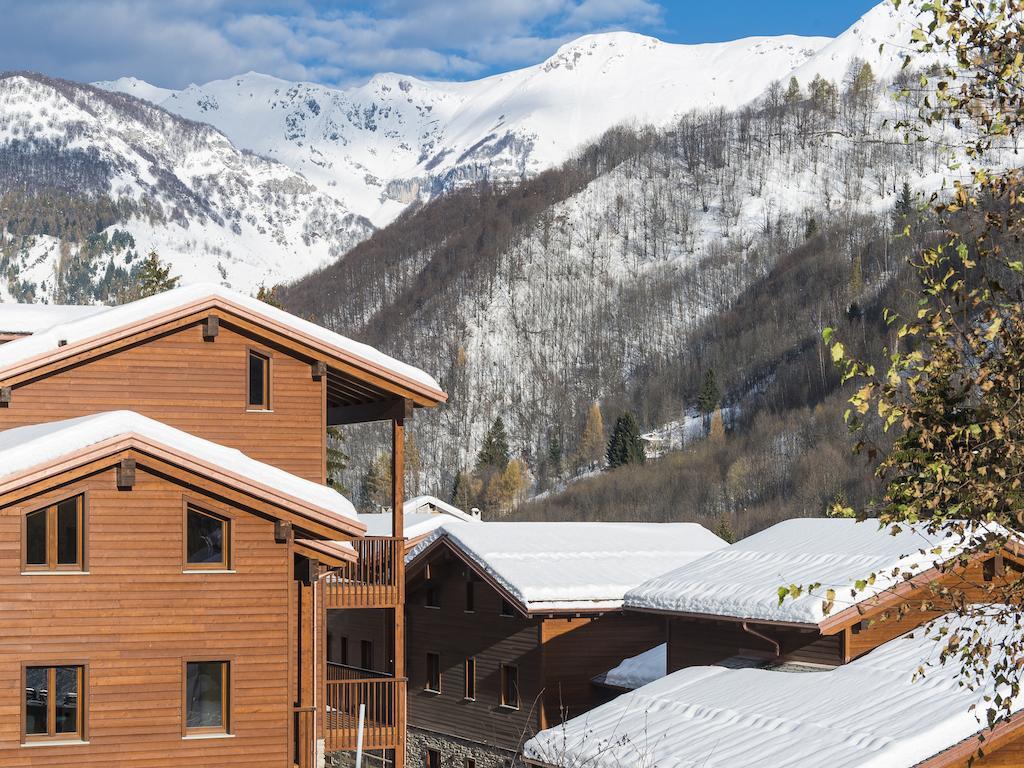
pixel 372 581
pixel 384 697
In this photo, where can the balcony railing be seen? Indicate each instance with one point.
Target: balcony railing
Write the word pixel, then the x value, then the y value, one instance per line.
pixel 384 698
pixel 372 580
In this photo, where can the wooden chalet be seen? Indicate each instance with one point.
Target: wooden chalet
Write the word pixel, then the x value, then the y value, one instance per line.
pixel 509 622
pixel 745 673
pixel 242 381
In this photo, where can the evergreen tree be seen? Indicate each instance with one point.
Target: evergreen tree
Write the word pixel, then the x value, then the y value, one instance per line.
pixel 337 459
pixel 154 277
pixel 592 443
pixel 793 94
pixel 811 229
pixel 625 445
pixel 724 529
pixel 554 456
pixel 906 207
pixel 494 453
pixel 375 485
pixel 269 295
pixel 710 396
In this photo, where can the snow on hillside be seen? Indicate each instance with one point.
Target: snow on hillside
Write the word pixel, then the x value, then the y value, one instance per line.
pixel 180 187
pixel 379 146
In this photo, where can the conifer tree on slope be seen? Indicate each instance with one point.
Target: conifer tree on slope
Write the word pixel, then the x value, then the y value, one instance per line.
pixel 154 277
pixel 494 453
pixel 625 445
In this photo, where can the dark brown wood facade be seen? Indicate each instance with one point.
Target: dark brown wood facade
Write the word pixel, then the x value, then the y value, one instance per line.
pixel 554 658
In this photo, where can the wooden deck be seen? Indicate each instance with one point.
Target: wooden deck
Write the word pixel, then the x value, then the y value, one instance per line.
pixel 372 581
pixel 384 698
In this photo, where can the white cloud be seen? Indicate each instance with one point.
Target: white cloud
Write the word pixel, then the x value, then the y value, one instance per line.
pixel 175 43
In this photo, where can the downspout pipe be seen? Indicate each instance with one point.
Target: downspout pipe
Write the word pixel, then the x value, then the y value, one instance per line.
pixel 755 633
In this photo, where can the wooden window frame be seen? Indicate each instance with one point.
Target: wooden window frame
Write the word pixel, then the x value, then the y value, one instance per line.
pixel 81 733
pixel 430 591
pixel 470 597
pixel 505 669
pixel 267 406
pixel 227 697
pixel 469 762
pixel 507 610
pixel 227 562
pixel 363 645
pixel 427 681
pixel 432 759
pixel 50 508
pixel 469 679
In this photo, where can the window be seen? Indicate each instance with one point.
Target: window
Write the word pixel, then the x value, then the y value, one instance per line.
pixel 207 695
pixel 509 686
pixel 207 540
pixel 469 762
pixel 53 703
pixel 432 600
pixel 433 759
pixel 470 692
pixel 344 650
pixel 433 673
pixel 259 382
pixel 366 654
pixel 506 608
pixel 470 597
pixel 53 537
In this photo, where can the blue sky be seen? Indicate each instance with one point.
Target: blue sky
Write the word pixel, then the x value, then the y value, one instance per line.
pixel 175 42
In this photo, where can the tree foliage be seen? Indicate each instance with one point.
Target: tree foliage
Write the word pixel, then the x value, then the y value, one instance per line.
pixel 943 420
pixel 625 445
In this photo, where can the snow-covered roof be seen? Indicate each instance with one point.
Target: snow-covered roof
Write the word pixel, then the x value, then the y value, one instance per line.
pixel 428 503
pixel 742 581
pixel 69 331
pixel 573 566
pixel 870 713
pixel 423 514
pixel 32 318
pixel 639 670
pixel 39 446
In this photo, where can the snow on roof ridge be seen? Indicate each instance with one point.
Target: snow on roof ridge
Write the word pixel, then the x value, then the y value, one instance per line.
pixel 32 318
pixel 40 445
pixel 742 580
pixel 870 713
pixel 573 565
pixel 114 318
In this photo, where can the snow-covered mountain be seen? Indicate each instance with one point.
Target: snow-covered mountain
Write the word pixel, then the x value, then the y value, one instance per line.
pixel 161 182
pixel 396 139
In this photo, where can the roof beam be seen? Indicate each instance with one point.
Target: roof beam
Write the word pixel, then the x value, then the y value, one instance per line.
pixel 382 410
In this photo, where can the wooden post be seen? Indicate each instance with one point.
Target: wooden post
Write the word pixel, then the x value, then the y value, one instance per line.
pixel 398 532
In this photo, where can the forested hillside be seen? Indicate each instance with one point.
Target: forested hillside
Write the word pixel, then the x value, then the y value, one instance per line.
pixel 725 243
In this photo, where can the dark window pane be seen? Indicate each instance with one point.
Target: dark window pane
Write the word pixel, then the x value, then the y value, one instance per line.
pixel 204 691
pixel 36 700
pixel 205 539
pixel 66 700
pixel 257 379
pixel 366 654
pixel 67 532
pixel 35 538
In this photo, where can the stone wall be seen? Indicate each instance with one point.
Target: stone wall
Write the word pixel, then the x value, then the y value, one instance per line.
pixel 454 751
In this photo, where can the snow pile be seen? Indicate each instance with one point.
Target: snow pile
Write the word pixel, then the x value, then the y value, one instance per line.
pixel 639 670
pixel 112 319
pixel 574 566
pixel 32 318
pixel 420 517
pixel 41 445
pixel 743 580
pixel 870 713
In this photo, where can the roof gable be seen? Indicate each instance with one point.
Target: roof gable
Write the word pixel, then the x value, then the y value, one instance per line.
pixel 742 581
pixel 95 332
pixel 28 454
pixel 571 567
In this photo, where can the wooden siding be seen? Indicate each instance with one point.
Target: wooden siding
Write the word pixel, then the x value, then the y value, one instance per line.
pixel 575 651
pixel 197 386
pixel 485 634
pixel 135 616
pixel 695 642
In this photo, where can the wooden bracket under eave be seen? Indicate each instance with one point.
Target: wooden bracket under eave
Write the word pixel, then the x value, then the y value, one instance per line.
pixel 126 475
pixel 5 397
pixel 318 369
pixel 308 571
pixel 283 533
pixel 211 327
